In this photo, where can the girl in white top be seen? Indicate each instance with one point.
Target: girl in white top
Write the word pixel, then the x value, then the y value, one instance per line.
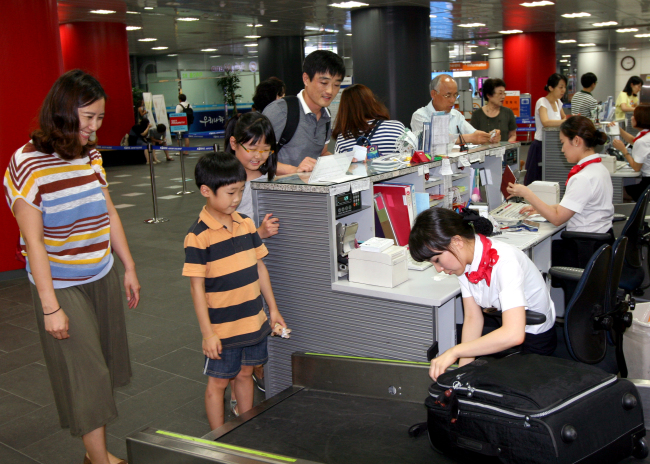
pixel 548 113
pixel 491 274
pixel 640 158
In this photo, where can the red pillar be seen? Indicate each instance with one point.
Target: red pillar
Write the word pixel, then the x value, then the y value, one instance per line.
pixel 31 53
pixel 102 50
pixel 528 61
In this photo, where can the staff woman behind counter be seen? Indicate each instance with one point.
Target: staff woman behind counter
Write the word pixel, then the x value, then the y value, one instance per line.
pixel 494 115
pixel 640 158
pixel 490 274
pixel 628 99
pixel 587 203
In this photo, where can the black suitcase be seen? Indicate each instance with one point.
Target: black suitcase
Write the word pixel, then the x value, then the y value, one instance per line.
pixel 531 409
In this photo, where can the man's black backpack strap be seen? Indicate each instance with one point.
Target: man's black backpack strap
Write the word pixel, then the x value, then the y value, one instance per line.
pixel 293 119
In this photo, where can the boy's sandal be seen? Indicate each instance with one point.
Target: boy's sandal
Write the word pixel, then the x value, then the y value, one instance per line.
pixel 233 407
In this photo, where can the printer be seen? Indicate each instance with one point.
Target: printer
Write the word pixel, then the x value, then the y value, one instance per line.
pixel 548 192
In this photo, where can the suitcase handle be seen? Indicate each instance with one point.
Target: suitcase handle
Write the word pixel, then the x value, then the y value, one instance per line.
pixel 487 449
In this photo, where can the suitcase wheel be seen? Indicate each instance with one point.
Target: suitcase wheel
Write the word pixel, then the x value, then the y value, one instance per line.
pixel 417 429
pixel 640 449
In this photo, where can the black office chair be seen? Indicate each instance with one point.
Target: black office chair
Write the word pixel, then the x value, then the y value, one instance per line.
pixel 633 273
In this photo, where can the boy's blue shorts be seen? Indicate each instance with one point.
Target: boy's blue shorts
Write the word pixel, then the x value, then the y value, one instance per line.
pixel 233 358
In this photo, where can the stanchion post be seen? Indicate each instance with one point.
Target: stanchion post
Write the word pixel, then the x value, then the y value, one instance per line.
pixel 216 147
pixel 184 191
pixel 155 219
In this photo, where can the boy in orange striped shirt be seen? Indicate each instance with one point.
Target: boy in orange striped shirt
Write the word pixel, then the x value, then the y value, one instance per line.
pixel 223 258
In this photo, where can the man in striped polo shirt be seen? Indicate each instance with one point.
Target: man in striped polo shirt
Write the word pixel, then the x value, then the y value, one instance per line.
pixel 583 102
pixel 223 258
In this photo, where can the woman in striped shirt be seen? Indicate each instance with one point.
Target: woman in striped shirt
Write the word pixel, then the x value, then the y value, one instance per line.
pixel 56 187
pixel 360 113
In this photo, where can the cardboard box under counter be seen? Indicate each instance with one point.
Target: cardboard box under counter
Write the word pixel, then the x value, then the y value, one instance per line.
pixel 388 268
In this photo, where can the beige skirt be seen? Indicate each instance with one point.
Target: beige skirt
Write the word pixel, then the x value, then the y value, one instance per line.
pixel 85 368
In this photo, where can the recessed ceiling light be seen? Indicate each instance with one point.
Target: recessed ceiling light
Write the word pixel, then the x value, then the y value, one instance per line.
pixel 533 4
pixel 148 8
pixel 432 16
pixel 566 41
pixel 252 36
pixel 250 45
pixel 566 56
pixel 641 35
pixel 606 23
pixel 133 12
pixel 103 11
pixel 492 48
pixel 576 15
pixel 470 53
pixel 472 25
pixel 208 49
pixel 587 45
pixel 215 56
pixel 133 28
pixel 274 20
pixel 563 61
pixel 253 25
pixel 472 46
pixel 187 19
pixel 349 35
pixel 346 58
pixel 159 48
pixel 148 39
pixel 348 5
pixel 486 54
pixel 173 54
pixel 629 29
pixel 511 31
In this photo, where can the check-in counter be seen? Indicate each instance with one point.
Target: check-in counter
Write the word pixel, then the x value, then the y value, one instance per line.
pixel 329 314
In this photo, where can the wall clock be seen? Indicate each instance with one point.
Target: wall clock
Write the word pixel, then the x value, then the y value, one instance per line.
pixel 628 63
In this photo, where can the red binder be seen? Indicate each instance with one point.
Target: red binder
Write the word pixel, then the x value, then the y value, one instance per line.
pixel 398 209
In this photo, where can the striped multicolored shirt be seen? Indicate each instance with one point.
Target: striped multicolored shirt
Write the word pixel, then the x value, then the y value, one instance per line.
pixel 228 262
pixel 76 225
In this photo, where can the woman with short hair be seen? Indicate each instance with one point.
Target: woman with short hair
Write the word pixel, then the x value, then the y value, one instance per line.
pixel 493 115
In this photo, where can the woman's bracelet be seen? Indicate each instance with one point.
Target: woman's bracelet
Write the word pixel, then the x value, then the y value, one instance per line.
pixel 213 335
pixel 49 314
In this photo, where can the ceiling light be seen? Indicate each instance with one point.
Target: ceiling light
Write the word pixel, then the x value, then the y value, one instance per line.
pixel 492 48
pixel 576 15
pixel 187 19
pixel 566 41
pixel 432 16
pixel 472 46
pixel 349 35
pixel 641 35
pixel 472 25
pixel 215 56
pixel 148 8
pixel 486 54
pixel 511 31
pixel 103 11
pixel 348 5
pixel 629 29
pixel 346 57
pixel 250 45
pixel 253 25
pixel 563 61
pixel 566 56
pixel 274 20
pixel 252 36
pixel 159 48
pixel 173 54
pixel 470 53
pixel 133 28
pixel 133 12
pixel 606 23
pixel 148 39
pixel 587 45
pixel 532 4
pixel 208 49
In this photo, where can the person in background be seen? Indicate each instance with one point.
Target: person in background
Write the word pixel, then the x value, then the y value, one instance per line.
pixel 182 105
pixel 628 99
pixel 583 103
pixel 491 273
pixel 587 202
pixel 138 137
pixel 548 113
pixel 56 188
pixel 493 115
pixel 444 93
pixel 323 72
pixel 267 92
pixel 157 137
pixel 142 111
pixel 360 113
pixel 640 158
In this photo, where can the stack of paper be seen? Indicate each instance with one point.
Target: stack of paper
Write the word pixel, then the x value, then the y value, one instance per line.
pixel 377 244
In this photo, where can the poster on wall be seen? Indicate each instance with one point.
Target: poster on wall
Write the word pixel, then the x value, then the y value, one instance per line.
pixel 512 101
pixel 161 114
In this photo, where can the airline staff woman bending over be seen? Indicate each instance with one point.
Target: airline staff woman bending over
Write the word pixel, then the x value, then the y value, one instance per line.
pixel 587 203
pixel 491 274
pixel 640 158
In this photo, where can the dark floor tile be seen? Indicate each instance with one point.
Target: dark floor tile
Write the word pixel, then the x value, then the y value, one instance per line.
pixel 19 293
pixel 144 377
pixel 20 358
pixel 12 406
pixel 183 362
pixel 158 401
pixel 146 325
pixel 10 309
pixel 135 339
pixel 29 382
pixel 179 308
pixel 26 321
pixel 13 338
pixel 165 343
pixel 22 431
pixel 59 448
pixel 13 282
pixel 11 456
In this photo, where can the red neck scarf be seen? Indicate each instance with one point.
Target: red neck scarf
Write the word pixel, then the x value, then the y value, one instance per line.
pixel 641 134
pixel 488 259
pixel 579 167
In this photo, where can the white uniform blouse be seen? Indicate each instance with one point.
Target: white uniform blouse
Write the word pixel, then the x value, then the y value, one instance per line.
pixel 641 154
pixel 515 281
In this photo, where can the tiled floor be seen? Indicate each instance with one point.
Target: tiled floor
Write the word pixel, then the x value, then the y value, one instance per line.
pixel 168 385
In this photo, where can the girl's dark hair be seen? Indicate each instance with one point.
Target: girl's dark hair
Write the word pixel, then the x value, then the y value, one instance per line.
pixel 358 106
pixel 634 80
pixel 490 85
pixel 435 227
pixel 642 116
pixel 554 80
pixel 583 127
pixel 217 170
pixel 253 127
pixel 267 92
pixel 59 117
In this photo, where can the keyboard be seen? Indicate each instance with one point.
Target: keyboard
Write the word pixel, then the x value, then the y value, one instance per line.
pixel 621 164
pixel 509 212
